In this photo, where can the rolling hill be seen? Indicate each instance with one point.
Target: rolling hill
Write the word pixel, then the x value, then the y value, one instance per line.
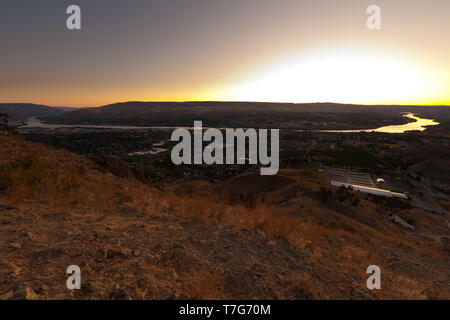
pixel 293 238
pixel 306 116
pixel 243 114
pixel 19 112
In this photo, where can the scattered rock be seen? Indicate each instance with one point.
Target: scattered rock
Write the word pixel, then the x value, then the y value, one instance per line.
pixel 137 253
pixel 124 253
pixel 15 245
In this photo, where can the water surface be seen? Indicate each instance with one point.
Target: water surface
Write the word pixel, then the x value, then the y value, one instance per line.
pixel 419 124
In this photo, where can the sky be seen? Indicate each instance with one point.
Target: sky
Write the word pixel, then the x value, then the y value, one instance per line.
pixel 233 50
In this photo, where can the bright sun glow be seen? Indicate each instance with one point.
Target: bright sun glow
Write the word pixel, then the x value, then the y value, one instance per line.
pixel 337 76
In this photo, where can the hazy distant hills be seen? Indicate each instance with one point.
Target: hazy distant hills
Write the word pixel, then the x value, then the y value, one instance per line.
pixel 242 114
pixel 66 109
pixel 18 112
pixel 227 114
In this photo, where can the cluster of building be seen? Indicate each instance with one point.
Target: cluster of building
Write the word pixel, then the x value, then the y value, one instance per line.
pixel 359 181
pixel 375 191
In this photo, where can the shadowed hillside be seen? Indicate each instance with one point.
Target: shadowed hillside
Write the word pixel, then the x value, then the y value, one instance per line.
pixel 293 238
pixel 243 114
pixel 19 112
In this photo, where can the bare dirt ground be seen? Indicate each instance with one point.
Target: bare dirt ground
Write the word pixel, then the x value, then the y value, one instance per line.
pixel 126 254
pixel 134 242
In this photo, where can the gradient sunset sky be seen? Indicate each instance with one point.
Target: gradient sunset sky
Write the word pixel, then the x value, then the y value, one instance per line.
pixel 240 50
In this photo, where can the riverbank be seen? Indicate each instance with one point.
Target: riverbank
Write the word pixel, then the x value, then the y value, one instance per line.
pixel 420 124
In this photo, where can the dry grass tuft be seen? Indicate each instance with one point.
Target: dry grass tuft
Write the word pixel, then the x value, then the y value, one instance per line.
pixel 204 284
pixel 260 218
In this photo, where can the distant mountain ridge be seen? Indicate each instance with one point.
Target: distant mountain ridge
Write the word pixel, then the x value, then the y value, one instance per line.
pixel 19 112
pixel 307 116
pixel 67 109
pixel 243 114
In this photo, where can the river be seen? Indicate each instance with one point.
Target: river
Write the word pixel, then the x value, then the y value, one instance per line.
pixel 420 124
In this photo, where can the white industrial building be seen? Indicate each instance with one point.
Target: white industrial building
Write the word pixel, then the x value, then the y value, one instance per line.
pixel 375 191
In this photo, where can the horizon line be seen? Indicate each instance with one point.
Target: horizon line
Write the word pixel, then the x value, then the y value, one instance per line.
pixel 234 101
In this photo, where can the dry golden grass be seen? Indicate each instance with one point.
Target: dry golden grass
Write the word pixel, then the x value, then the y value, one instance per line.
pixel 32 172
pixel 69 180
pixel 304 286
pixel 204 284
pixel 260 218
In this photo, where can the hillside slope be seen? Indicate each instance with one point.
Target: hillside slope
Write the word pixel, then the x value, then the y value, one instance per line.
pixel 132 241
pixel 244 114
pixel 19 112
